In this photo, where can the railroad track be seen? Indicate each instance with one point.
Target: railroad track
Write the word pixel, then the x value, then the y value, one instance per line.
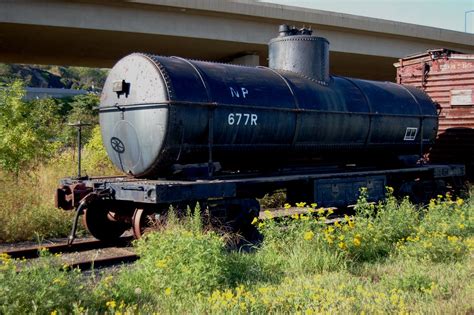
pixel 33 252
pixel 104 262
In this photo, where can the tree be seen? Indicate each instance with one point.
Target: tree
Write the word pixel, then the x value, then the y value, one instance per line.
pixel 83 108
pixel 27 129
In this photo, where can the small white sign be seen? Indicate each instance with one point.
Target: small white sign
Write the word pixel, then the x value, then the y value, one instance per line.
pixel 462 97
pixel 410 133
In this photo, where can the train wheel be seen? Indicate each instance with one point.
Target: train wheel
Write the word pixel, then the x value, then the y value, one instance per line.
pixel 240 214
pixel 101 223
pixel 143 221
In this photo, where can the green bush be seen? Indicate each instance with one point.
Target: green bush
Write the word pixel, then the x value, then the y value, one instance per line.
pixel 78 108
pixel 95 158
pixel 41 288
pixel 27 210
pixel 175 264
pixel 444 233
pixel 27 130
pixel 376 228
pixel 296 245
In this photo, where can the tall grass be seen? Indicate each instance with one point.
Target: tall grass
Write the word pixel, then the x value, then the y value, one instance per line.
pixel 27 205
pixel 384 260
pixel 27 209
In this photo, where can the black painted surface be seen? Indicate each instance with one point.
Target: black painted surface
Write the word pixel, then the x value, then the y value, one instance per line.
pixel 186 112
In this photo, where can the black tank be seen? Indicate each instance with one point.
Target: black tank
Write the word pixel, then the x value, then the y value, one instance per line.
pixel 157 112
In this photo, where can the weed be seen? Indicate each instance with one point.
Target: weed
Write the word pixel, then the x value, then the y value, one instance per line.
pixel 41 288
pixel 369 263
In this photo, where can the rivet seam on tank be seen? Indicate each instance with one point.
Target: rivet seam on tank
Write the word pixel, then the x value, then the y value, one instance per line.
pixel 166 78
pixel 294 38
pixel 220 63
pixel 306 77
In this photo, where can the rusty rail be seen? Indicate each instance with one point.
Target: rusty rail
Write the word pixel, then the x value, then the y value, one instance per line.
pixel 104 262
pixel 34 251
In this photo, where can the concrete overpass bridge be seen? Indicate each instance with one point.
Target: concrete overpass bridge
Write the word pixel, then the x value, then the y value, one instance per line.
pixel 98 32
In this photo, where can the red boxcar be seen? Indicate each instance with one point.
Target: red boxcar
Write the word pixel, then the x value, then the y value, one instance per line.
pixel 448 78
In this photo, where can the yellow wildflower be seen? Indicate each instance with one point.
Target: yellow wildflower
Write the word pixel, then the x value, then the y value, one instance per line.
pixel 56 280
pixel 263 290
pixel 453 239
pixel 448 196
pixel 459 201
pixel 107 279
pixel 308 235
pixel 342 245
pixel 161 263
pixel 461 226
pixel 356 242
pixel 295 216
pixel 287 206
pixel 228 295
pixel 341 237
pixel 314 205
pixel 300 204
pixel 254 221
pixel 54 312
pixel 321 211
pixel 351 224
pixel 167 291
pixel 111 304
pixel 261 225
pixel 5 258
pixel 432 204
pixel 329 239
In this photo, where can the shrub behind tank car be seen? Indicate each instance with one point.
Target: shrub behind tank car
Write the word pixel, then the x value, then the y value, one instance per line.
pixel 159 114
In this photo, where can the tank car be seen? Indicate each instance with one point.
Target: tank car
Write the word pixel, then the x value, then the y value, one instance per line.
pixel 161 114
pixel 186 131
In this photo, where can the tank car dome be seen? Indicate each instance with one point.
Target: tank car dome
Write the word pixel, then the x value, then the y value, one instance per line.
pixel 131 137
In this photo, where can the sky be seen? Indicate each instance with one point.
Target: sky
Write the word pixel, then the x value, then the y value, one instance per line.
pixel 447 14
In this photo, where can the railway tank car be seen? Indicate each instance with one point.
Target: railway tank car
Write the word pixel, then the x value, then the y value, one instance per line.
pixel 186 131
pixel 159 114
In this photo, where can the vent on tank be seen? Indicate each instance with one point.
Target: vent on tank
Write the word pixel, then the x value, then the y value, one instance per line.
pixel 299 51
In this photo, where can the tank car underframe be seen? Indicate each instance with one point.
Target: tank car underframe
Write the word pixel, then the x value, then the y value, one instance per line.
pixel 111 205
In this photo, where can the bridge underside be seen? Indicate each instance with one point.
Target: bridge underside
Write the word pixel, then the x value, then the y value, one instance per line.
pixel 34 44
pixel 97 33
